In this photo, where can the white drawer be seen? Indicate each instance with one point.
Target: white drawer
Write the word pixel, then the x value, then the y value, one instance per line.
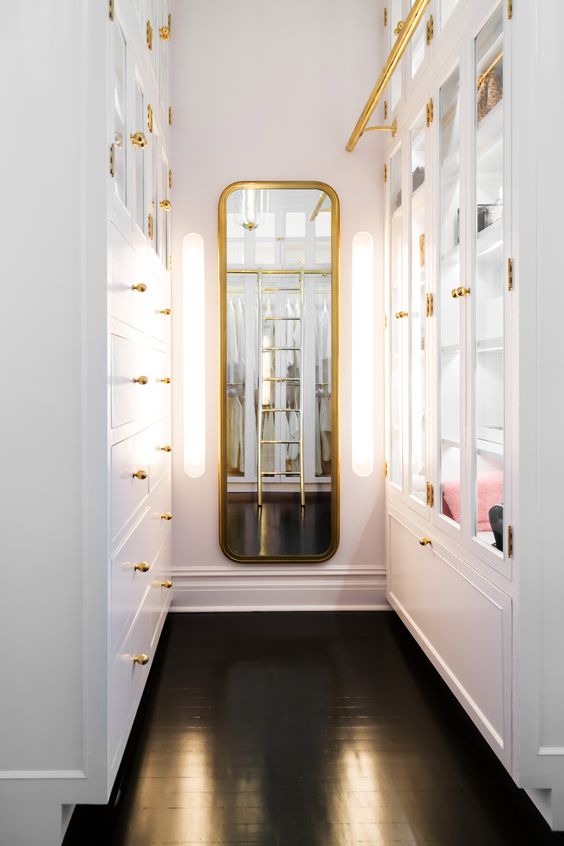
pixel 128 492
pixel 160 319
pixel 128 678
pixel 130 399
pixel 129 581
pixel 160 393
pixel 463 622
pixel 159 458
pixel 127 303
pixel 160 504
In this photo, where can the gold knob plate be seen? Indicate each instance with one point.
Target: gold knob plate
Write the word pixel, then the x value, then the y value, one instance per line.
pixel 166 584
pixel 138 139
pixel 142 567
pixel 139 474
pixel 166 516
pixel 141 659
pixel 425 541
pixel 141 380
pixel 140 287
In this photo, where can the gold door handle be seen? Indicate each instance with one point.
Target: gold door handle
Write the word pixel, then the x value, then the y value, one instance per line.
pixel 140 287
pixel 400 314
pixel 138 139
pixel 166 584
pixel 166 516
pixel 166 448
pixel 142 567
pixel 425 541
pixel 166 381
pixel 165 205
pixel 141 659
pixel 165 311
pixel 139 474
pixel 141 380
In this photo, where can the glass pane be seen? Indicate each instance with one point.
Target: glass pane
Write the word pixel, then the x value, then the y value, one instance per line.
pixel 139 164
pixel 489 285
pixel 449 279
pixel 235 252
pixel 417 313
pixel 119 107
pixel 295 253
pixel 417 47
pixel 396 322
pixel 295 225
pixel 323 252
pixel 447 7
pixel 395 85
pixel 265 252
pixel 323 224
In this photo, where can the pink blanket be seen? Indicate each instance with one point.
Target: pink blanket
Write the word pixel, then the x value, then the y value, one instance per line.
pixel 490 492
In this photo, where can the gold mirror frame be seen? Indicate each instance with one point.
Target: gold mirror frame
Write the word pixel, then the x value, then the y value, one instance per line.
pixel 335 339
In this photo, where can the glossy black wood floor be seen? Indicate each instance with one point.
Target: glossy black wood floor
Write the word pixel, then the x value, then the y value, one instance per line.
pixel 305 730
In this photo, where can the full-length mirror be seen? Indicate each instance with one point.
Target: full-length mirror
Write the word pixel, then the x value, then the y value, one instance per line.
pixel 279 478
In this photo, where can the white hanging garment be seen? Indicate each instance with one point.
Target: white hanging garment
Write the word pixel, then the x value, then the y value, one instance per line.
pixel 325 426
pixel 232 352
pixel 267 334
pixel 289 335
pixel 235 448
pixel 318 468
pixel 293 430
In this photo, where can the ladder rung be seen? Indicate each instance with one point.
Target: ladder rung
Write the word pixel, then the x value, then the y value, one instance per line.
pixel 276 290
pixel 286 349
pixel 265 319
pixel 274 410
pixel 296 443
pixel 289 473
pixel 280 379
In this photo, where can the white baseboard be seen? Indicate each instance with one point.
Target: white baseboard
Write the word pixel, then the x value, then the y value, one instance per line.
pixel 267 591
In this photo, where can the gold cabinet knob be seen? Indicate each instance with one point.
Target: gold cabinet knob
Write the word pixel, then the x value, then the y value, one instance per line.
pixel 166 448
pixel 463 292
pixel 139 474
pixel 425 541
pixel 454 293
pixel 400 314
pixel 138 139
pixel 165 311
pixel 167 380
pixel 400 25
pixel 141 380
pixel 166 516
pixel 140 287
pixel 166 584
pixel 141 659
pixel 166 205
pixel 164 33
pixel 142 567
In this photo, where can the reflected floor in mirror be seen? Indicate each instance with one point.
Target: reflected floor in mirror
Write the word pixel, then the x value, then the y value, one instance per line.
pixel 305 730
pixel 281 526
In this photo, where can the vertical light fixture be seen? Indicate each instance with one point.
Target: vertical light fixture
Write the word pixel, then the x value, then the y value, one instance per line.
pixel 363 354
pixel 194 357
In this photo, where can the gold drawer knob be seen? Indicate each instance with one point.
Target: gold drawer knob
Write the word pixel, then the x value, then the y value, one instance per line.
pixel 141 659
pixel 166 448
pixel 425 541
pixel 139 474
pixel 138 139
pixel 142 567
pixel 167 380
pixel 400 314
pixel 166 584
pixel 140 287
pixel 141 380
pixel 166 516
pixel 165 205
pixel 165 311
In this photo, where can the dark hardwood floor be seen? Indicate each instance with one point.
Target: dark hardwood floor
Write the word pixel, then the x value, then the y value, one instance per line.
pixel 305 730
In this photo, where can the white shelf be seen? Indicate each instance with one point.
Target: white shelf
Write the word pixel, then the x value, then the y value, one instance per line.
pixel 489 447
pixel 489 131
pixel 490 240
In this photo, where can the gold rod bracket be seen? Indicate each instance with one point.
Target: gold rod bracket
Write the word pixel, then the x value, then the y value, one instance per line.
pixel 411 23
pixel 393 128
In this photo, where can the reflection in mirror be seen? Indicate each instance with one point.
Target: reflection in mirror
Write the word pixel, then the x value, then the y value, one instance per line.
pixel 279 474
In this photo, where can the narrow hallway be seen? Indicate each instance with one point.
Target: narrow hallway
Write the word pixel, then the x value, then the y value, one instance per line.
pixel 305 730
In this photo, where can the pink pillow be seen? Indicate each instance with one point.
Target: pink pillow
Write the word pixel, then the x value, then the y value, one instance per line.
pixel 490 492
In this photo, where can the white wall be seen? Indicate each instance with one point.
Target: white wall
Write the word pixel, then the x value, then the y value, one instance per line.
pixel 271 90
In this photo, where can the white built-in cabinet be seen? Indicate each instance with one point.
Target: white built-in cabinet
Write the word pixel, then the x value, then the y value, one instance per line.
pixel 452 357
pixel 106 600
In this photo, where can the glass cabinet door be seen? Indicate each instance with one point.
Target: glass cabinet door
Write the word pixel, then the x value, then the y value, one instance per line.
pixel 418 42
pixel 418 304
pixel 488 286
pixel 398 311
pixel 119 87
pixel 449 303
